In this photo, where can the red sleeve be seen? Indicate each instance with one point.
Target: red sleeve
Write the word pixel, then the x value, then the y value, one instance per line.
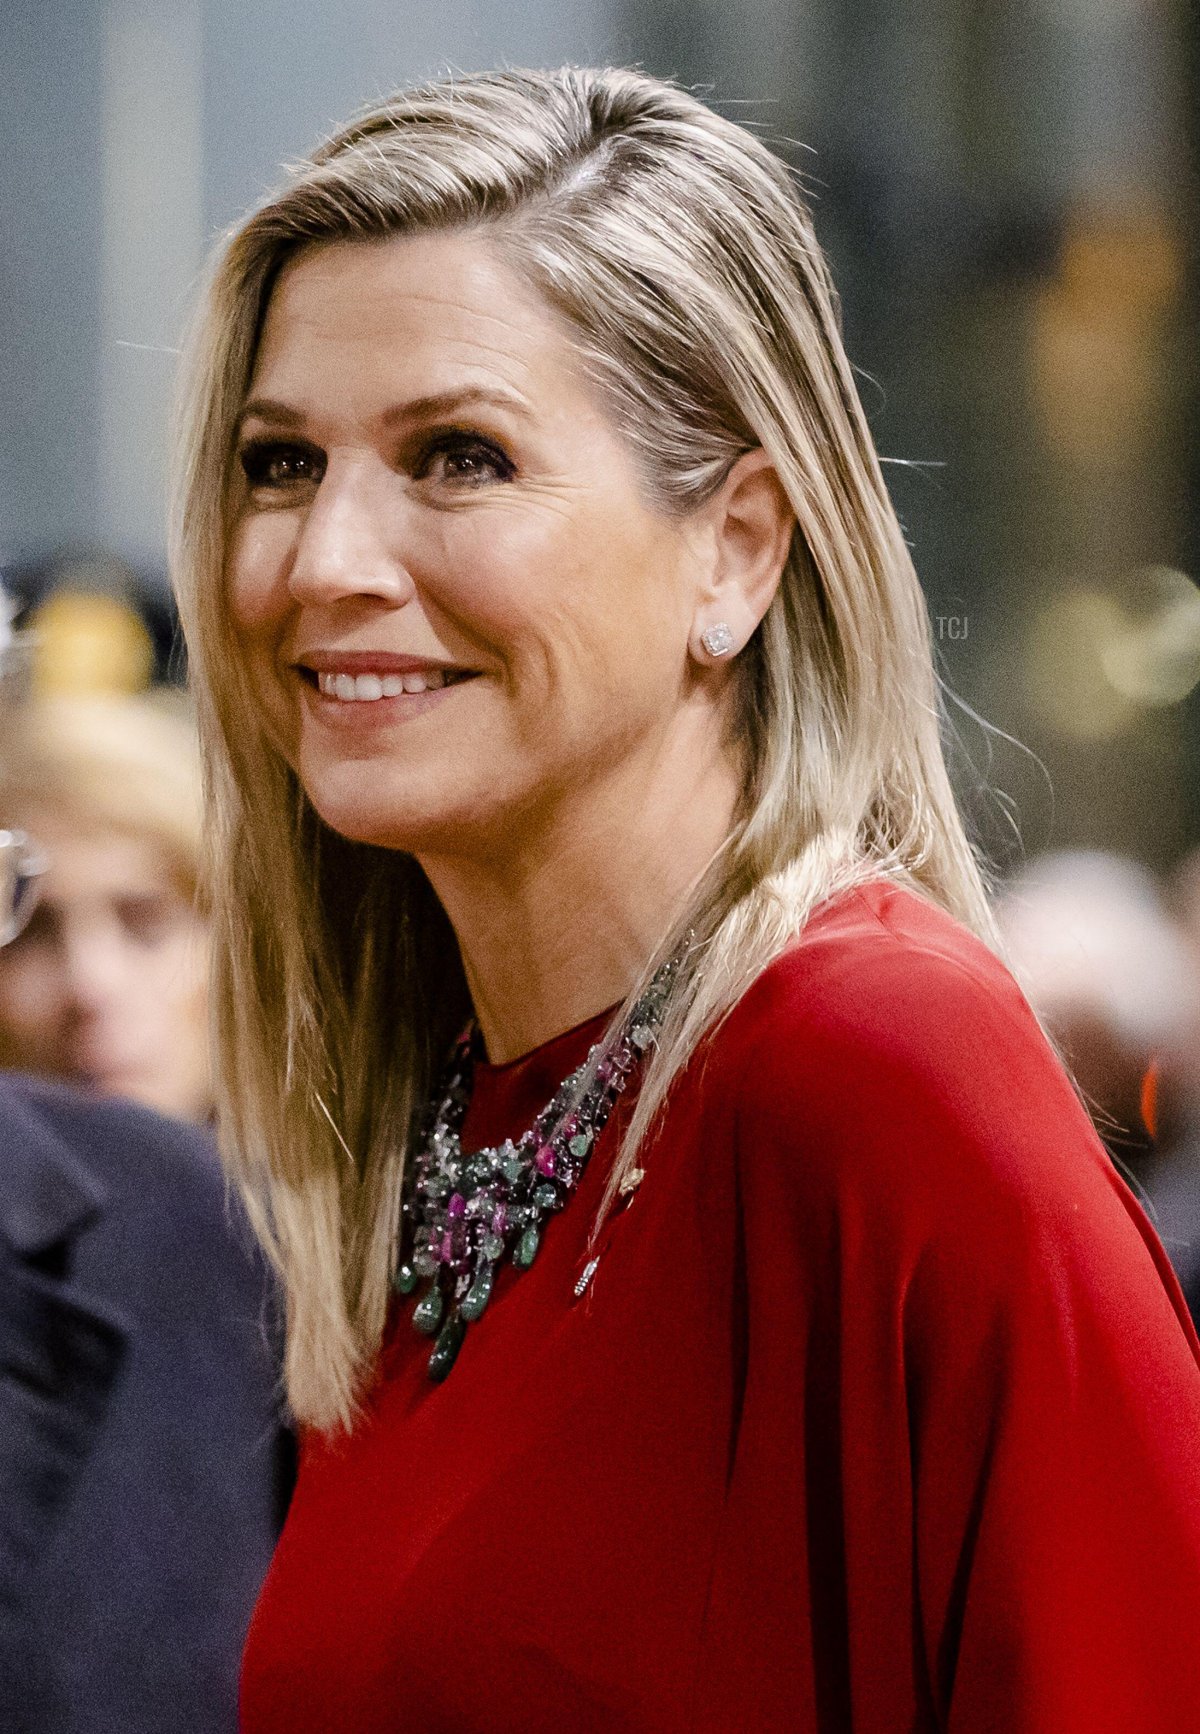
pixel 1001 1378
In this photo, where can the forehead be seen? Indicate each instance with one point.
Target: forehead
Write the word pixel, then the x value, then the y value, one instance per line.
pixel 425 311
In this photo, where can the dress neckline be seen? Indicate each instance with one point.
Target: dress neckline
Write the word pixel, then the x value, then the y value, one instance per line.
pixel 508 1096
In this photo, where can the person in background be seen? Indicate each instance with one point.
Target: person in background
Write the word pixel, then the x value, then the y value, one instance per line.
pixel 144 1468
pixel 1109 969
pixel 106 986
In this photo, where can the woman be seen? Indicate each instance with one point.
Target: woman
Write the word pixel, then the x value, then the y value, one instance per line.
pixel 565 676
pixel 107 986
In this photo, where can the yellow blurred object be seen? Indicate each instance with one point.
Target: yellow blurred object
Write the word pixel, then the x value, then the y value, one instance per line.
pixel 1097 342
pixel 1064 666
pixel 87 642
pixel 1096 659
pixel 1155 660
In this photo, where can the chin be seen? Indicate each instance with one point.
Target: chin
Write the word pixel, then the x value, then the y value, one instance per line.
pixel 402 821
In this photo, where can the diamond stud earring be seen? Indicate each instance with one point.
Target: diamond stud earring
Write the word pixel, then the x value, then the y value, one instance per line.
pixel 718 640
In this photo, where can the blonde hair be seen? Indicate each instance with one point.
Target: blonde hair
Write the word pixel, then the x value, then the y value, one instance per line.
pixel 679 253
pixel 113 763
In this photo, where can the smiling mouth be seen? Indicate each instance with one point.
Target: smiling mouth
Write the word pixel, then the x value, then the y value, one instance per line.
pixel 369 688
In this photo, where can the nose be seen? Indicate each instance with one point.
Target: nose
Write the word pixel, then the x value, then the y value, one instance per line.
pixel 347 544
pixel 95 966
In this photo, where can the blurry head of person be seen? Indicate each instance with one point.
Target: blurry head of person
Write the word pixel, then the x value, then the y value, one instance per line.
pixel 1110 972
pixel 520 445
pixel 1184 902
pixel 104 984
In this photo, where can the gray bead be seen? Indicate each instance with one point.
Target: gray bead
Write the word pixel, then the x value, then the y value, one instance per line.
pixel 447 1346
pixel 428 1315
pixel 527 1248
pixel 474 1303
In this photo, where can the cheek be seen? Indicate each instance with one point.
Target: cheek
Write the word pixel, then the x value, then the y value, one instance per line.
pixel 258 602
pixel 184 971
pixel 255 583
pixel 573 604
pixel 484 575
pixel 30 991
pixel 618 632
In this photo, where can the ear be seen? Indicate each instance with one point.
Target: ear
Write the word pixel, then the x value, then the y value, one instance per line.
pixel 750 523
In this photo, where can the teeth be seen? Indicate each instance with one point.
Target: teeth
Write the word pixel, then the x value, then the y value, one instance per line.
pixel 365 688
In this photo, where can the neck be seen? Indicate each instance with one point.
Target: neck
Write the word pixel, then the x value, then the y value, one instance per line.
pixel 561 927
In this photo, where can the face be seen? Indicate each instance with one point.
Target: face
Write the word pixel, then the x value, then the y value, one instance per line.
pixel 105 986
pixel 454 604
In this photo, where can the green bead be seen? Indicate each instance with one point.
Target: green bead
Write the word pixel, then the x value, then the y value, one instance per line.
pixel 492 1245
pixel 527 1248
pixel 580 1144
pixel 405 1279
pixel 477 1296
pixel 428 1315
pixel 546 1197
pixel 446 1348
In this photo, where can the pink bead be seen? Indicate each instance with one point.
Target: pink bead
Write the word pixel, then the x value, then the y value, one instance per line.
pixel 457 1204
pixel 544 1160
pixel 499 1219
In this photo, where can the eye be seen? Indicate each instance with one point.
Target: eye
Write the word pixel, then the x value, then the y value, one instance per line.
pixel 279 465
pixel 463 459
pixel 147 919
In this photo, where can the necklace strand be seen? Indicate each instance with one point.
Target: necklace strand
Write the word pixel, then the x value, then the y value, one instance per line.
pixel 465 1213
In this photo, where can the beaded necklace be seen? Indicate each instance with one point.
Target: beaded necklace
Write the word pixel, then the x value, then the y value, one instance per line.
pixel 464 1214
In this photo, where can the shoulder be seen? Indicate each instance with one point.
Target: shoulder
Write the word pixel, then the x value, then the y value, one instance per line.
pixel 891 989
pixel 890 1044
pixel 122 1142
pixel 73 1162
pixel 872 956
pixel 897 1111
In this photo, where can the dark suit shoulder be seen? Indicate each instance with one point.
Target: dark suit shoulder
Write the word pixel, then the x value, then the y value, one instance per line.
pixel 126 1134
pixel 163 1214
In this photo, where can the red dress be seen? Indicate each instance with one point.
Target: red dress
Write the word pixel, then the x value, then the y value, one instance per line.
pixel 881 1413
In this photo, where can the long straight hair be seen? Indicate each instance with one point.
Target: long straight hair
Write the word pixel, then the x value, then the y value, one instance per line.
pixel 680 255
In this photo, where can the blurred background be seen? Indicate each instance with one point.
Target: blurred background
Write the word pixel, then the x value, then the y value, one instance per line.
pixel 1008 191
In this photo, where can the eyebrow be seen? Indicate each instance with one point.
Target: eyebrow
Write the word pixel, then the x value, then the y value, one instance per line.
pixel 270 409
